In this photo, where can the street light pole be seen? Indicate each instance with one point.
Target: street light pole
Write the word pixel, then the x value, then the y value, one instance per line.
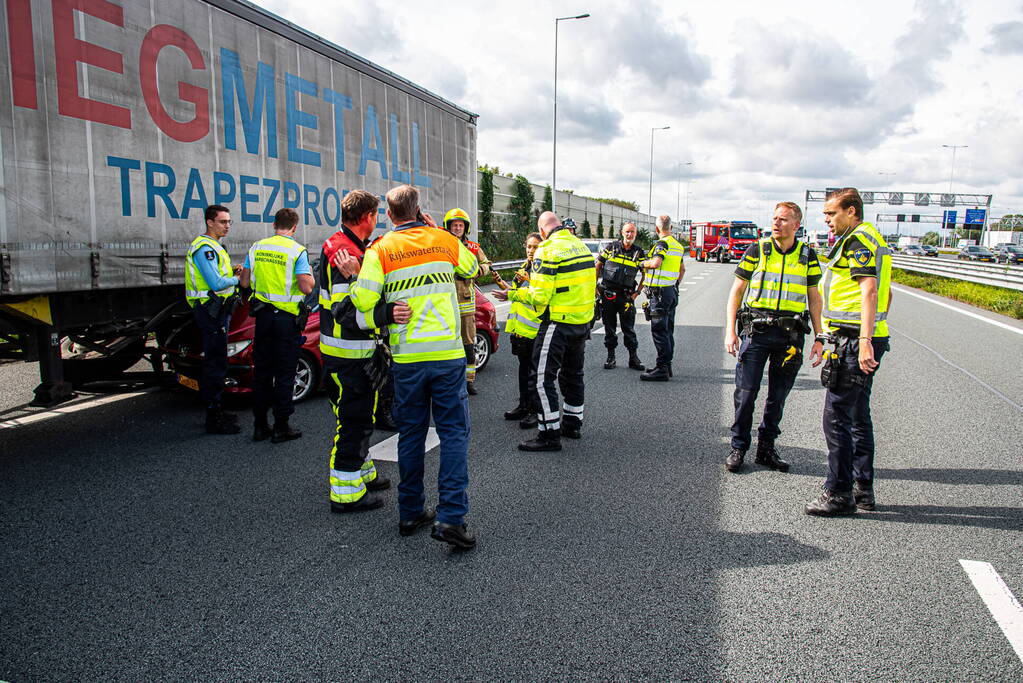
pixel 678 189
pixel 952 172
pixel 554 179
pixel 650 197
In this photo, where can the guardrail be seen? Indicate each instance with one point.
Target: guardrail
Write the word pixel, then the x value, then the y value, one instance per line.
pixel 501 265
pixel 1007 276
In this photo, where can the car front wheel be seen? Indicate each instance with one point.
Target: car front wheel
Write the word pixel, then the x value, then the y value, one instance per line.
pixel 307 377
pixel 482 350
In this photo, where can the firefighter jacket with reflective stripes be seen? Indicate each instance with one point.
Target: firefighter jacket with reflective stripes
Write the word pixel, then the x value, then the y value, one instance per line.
pixel 670 251
pixel 466 288
pixel 417 264
pixel 563 283
pixel 273 272
pixel 196 288
pixel 860 253
pixel 523 319
pixel 778 281
pixel 620 266
pixel 349 334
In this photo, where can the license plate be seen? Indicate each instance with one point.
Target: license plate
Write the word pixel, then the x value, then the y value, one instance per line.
pixel 188 382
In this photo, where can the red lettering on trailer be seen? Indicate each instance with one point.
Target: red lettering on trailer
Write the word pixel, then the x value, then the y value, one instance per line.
pixel 22 52
pixel 156 39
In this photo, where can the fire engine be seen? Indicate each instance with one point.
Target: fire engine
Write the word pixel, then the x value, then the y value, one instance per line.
pixel 721 240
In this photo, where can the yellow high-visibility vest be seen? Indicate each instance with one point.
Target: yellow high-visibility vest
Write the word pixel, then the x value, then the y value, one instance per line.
pixel 197 290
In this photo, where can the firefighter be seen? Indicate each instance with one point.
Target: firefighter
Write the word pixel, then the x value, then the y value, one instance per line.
pixel 347 347
pixel 456 222
pixel 210 289
pixel 856 298
pixel 617 266
pixel 562 287
pixel 776 281
pixel 664 263
pixel 522 326
pixel 278 269
pixel 417 263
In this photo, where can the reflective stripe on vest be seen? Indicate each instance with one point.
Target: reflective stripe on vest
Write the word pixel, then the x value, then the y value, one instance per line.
pixel 841 292
pixel 196 287
pixel 273 272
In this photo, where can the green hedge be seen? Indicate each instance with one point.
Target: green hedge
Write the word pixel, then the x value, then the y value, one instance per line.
pixel 998 299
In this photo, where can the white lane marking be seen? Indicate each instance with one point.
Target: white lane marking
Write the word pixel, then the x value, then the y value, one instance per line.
pixel 963 370
pixel 999 600
pixel 997 323
pixel 67 410
pixel 388 448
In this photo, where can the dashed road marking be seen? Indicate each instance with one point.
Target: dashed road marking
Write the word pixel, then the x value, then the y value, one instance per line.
pixel 999 600
pixel 388 448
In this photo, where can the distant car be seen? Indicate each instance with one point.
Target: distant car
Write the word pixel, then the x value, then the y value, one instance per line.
pixel 594 245
pixel 1012 253
pixel 930 250
pixel 914 250
pixel 974 252
pixel 183 348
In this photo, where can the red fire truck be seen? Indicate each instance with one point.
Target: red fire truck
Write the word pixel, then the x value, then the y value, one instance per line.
pixel 721 240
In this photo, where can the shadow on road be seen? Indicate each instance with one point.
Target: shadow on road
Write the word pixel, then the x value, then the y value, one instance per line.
pixel 1005 518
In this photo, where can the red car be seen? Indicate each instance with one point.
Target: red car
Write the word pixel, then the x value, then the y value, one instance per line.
pixel 183 347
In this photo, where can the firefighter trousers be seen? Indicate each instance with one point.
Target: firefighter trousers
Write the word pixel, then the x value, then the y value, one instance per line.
pixel 353 401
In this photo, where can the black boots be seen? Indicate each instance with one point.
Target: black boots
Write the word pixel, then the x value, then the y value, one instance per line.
pixel 516 413
pixel 768 457
pixel 735 459
pixel 549 440
pixel 366 503
pixel 634 362
pixel 863 494
pixel 470 388
pixel 831 504
pixel 455 535
pixel 220 422
pixel 283 431
pixel 660 373
pixel 530 421
pixel 610 362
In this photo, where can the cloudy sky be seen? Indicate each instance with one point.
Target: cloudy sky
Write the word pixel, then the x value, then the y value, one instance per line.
pixel 766 99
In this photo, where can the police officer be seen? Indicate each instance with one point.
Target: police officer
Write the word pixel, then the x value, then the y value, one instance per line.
pixel 210 289
pixel 617 266
pixel 562 288
pixel 417 263
pixel 279 272
pixel 522 325
pixel 664 263
pixel 777 280
pixel 347 347
pixel 456 221
pixel 857 295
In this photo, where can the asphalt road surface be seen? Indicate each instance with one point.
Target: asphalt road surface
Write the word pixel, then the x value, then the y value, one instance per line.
pixel 135 547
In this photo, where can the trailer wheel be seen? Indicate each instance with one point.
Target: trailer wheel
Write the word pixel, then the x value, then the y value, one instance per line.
pixel 83 365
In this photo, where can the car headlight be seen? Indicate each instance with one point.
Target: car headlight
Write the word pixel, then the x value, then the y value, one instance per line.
pixel 234 348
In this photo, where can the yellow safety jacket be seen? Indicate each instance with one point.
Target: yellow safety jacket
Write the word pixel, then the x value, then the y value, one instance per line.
pixel 860 253
pixel 563 283
pixel 523 319
pixel 777 281
pixel 273 272
pixel 417 264
pixel 670 251
pixel 196 287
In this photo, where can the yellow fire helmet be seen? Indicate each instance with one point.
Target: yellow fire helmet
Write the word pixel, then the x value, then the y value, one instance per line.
pixel 457 215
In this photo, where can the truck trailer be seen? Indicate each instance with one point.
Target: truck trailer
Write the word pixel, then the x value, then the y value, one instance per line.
pixel 124 120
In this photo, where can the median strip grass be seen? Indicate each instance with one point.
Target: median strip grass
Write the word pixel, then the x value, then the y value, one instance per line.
pixel 998 299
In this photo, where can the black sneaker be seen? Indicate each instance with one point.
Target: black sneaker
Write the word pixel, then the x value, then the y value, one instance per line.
pixel 378 484
pixel 364 504
pixel 768 457
pixel 407 527
pixel 456 535
pixel 863 494
pixel 735 459
pixel 831 504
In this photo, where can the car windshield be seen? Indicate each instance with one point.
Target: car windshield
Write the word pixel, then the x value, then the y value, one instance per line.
pixel 744 232
pixel 1015 249
pixel 973 249
pixel 983 250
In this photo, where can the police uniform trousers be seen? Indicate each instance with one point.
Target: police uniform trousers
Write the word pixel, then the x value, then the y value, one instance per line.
pixel 558 353
pixel 522 349
pixel 353 400
pixel 214 359
pixel 762 347
pixel 275 357
pixel 848 428
pixel 617 304
pixel 663 301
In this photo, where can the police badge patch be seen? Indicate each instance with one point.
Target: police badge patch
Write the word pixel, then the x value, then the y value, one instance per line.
pixel 210 256
pixel 862 256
